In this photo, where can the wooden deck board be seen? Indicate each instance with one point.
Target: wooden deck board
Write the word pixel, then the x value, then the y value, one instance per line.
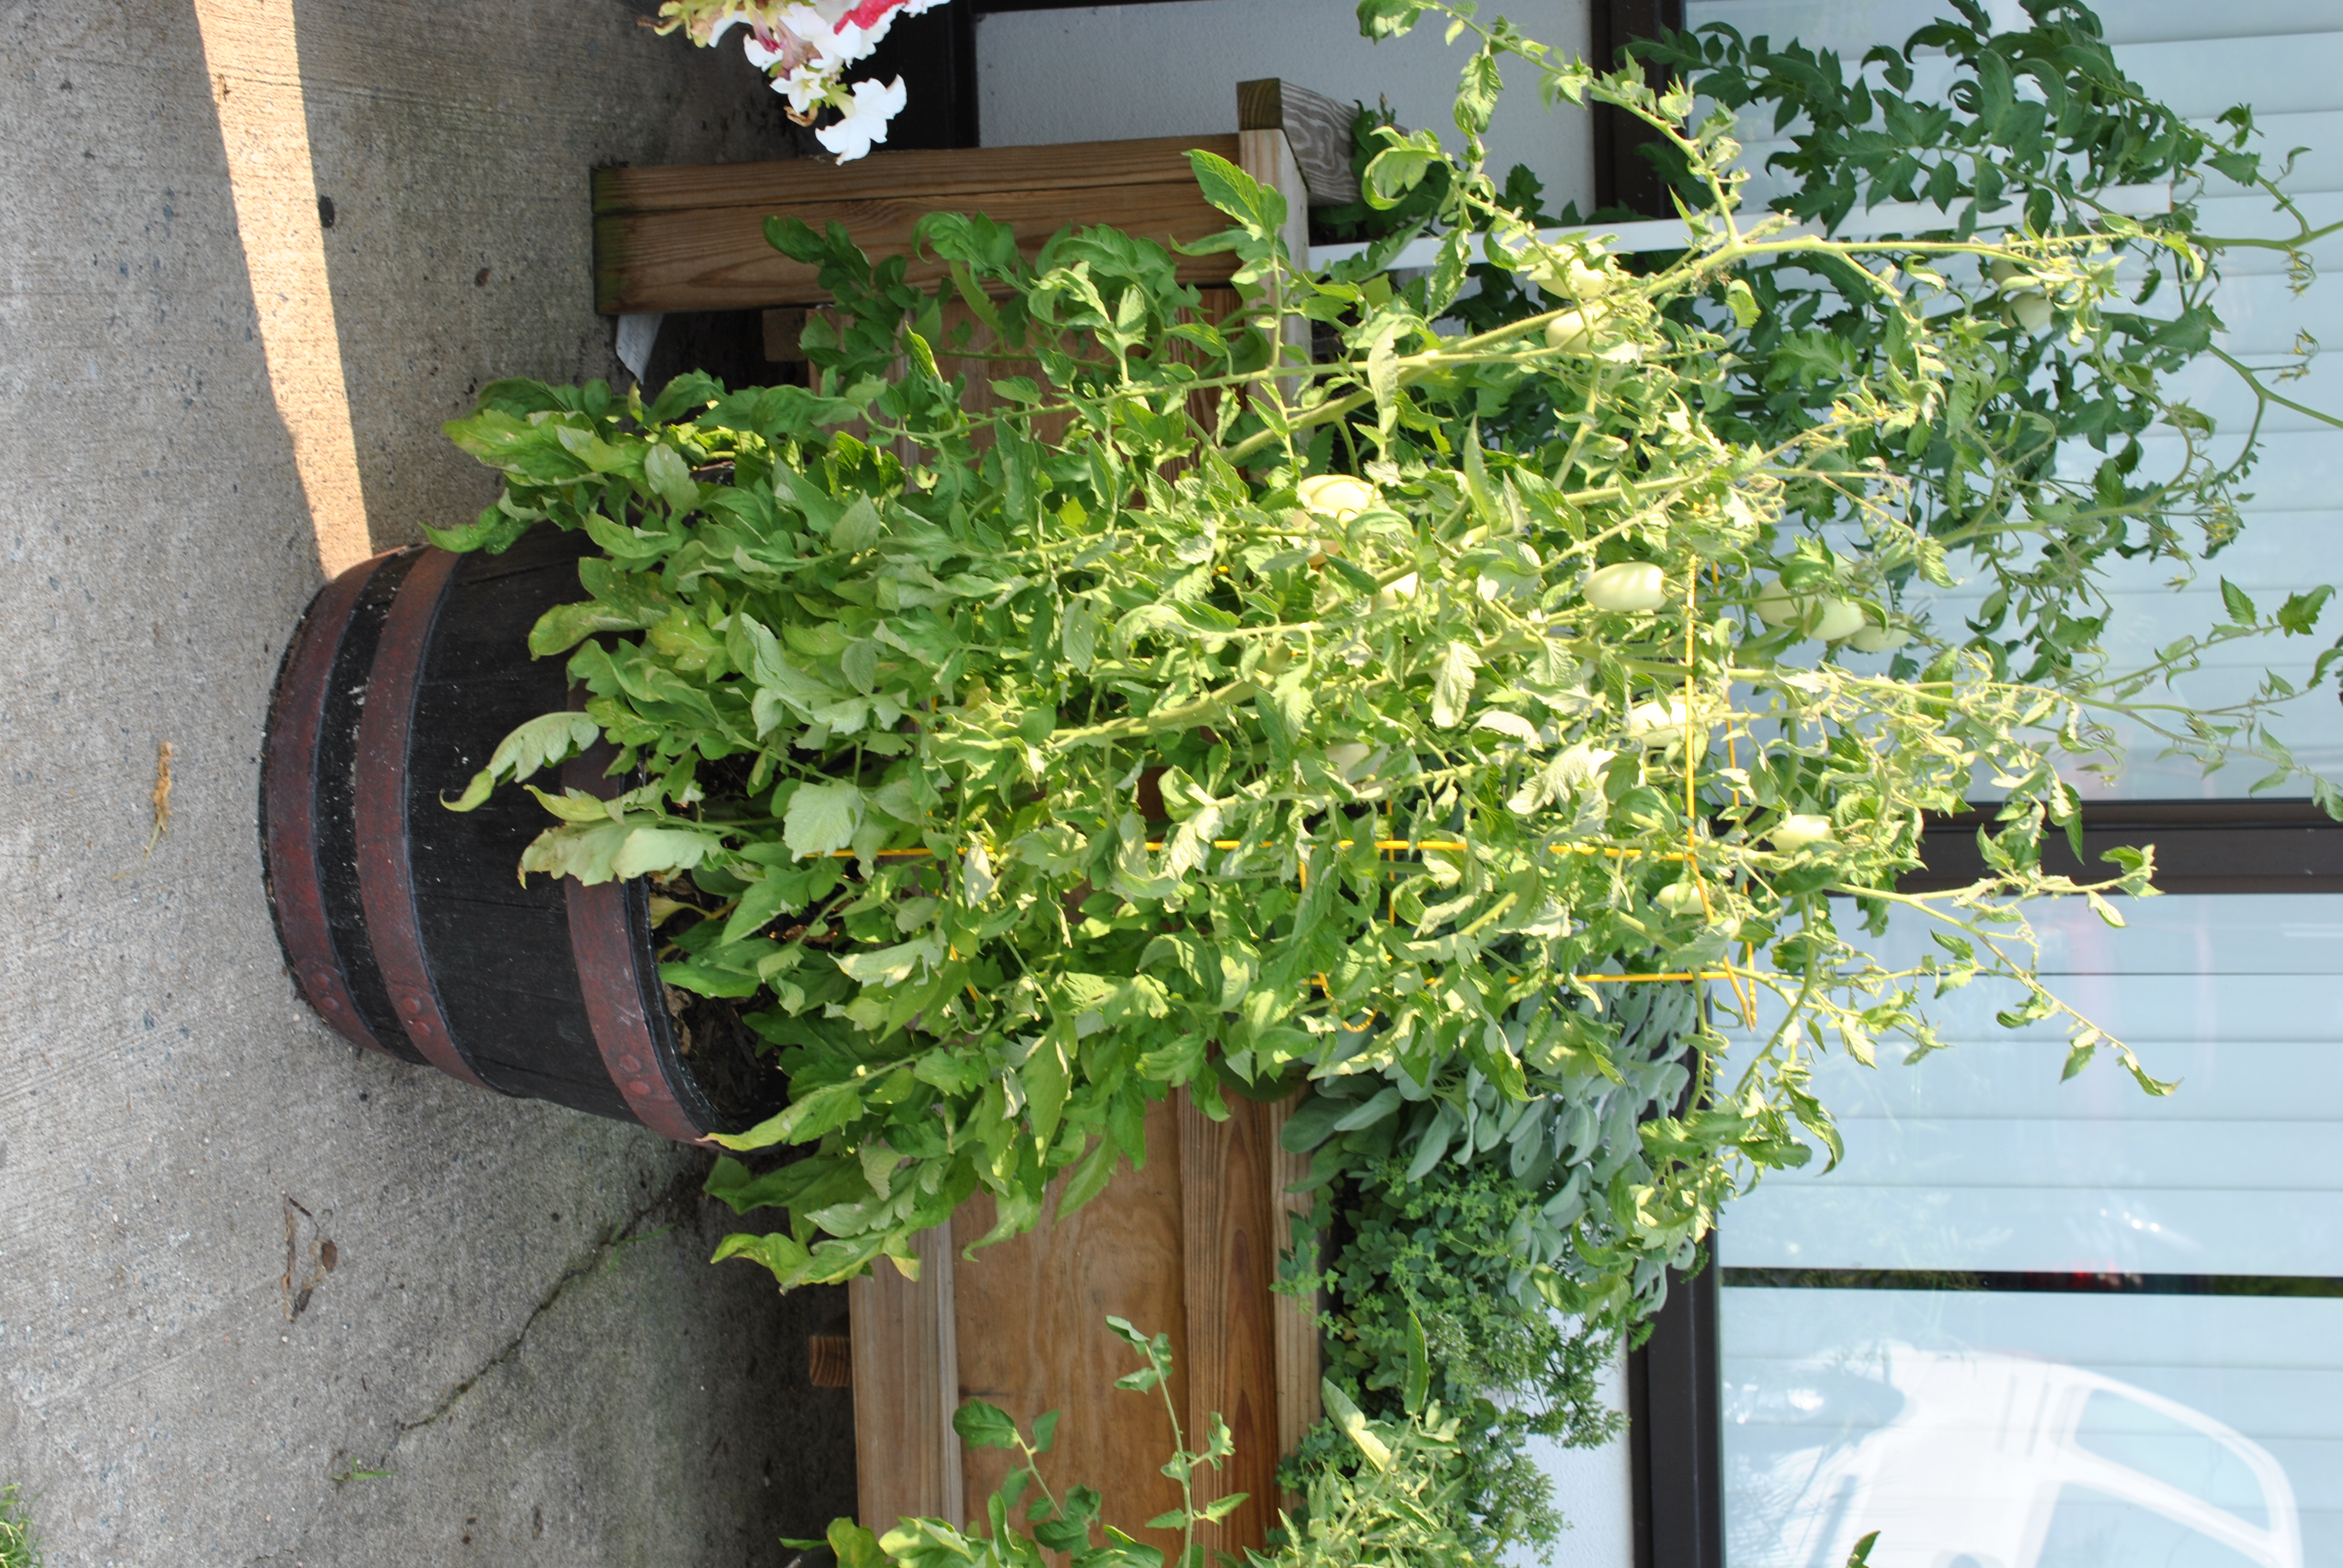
pixel 658 256
pixel 1032 1316
pixel 952 176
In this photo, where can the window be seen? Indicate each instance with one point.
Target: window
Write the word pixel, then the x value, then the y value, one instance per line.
pixel 2035 1325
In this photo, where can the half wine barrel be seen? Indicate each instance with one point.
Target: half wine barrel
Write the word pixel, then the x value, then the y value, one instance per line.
pixel 406 925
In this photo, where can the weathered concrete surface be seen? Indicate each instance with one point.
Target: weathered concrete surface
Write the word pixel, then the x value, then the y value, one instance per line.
pixel 536 1393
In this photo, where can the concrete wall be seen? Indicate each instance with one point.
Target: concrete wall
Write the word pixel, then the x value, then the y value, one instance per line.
pixel 520 1329
pixel 1171 70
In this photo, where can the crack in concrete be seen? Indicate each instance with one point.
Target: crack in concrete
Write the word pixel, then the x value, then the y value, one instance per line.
pixel 620 1236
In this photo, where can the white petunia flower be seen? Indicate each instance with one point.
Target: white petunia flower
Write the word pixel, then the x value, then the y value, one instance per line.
pixel 806 89
pixel 865 121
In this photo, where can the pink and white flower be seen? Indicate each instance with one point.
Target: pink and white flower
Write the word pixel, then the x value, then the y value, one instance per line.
pixel 805 47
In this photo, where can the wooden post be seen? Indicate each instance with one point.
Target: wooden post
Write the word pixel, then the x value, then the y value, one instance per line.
pixel 1230 1226
pixel 1317 127
pixel 1295 1318
pixel 906 1387
pixel 1268 158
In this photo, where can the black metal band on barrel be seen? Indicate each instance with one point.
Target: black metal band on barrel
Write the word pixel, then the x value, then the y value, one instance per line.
pixel 609 952
pixel 385 877
pixel 289 808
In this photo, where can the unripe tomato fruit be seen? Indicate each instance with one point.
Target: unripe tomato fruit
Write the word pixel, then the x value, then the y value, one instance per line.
pixel 1793 833
pixel 1625 586
pixel 1337 498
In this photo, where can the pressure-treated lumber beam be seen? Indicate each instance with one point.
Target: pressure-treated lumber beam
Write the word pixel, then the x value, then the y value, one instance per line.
pixel 1268 156
pixel 1317 125
pixel 1033 1337
pixel 907 1457
pixel 693 238
pixel 1230 1230
pixel 1293 1318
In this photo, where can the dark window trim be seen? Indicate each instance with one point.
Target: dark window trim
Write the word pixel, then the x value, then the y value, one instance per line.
pixel 2045 1283
pixel 1675 1430
pixel 2201 846
pixel 1622 177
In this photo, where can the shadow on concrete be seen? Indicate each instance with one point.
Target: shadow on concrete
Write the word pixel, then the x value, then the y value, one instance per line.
pixel 519 1328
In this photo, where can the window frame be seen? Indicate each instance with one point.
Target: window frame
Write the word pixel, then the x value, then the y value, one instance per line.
pixel 1675 1421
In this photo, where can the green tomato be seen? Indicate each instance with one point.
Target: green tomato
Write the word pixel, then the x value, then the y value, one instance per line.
pixel 1778 606
pixel 1679 897
pixel 1879 638
pixel 1627 587
pixel 1575 331
pixel 1837 620
pixel 1337 498
pixel 1573 280
pixel 1793 833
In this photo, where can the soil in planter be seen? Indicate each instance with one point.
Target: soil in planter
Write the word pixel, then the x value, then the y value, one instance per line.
pixel 721 1053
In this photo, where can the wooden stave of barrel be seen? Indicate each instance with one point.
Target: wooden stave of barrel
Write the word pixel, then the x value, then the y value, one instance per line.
pixel 405 926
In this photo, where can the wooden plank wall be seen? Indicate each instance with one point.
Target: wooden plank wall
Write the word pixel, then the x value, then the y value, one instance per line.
pixel 1186 1246
pixel 1033 1336
pixel 1228 1255
pixel 907 1459
pixel 693 238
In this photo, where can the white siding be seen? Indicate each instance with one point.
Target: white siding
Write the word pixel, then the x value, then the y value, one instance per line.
pixel 2286 58
pixel 1171 70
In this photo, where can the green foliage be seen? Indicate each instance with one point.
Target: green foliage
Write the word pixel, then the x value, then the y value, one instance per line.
pixel 1393 1506
pixel 1435 1249
pixel 1468 1222
pixel 1206 718
pixel 2038 129
pixel 19 1547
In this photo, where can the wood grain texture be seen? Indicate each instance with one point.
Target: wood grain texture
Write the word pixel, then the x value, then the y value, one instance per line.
pixel 953 176
pixel 1229 1258
pixel 907 1457
pixel 1318 126
pixel 1031 1315
pixel 1294 1321
pixel 717 259
pixel 662 254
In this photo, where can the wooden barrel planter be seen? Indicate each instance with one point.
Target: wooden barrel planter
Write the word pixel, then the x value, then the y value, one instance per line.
pixel 404 924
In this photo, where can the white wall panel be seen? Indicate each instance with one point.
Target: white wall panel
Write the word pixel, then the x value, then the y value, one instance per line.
pixel 1171 70
pixel 2286 58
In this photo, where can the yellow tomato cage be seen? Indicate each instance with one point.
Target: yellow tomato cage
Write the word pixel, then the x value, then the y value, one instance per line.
pixel 1744 989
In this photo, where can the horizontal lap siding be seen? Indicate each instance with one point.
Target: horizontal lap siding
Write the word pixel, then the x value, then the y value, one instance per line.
pixel 2286 58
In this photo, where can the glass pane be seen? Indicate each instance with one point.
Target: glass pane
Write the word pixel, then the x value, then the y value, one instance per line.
pixel 2036 1323
pixel 2022 1430
pixel 1982 1158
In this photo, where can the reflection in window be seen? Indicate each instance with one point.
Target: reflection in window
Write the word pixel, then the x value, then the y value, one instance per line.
pixel 2030 1430
pixel 2092 1529
pixel 2196 1464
